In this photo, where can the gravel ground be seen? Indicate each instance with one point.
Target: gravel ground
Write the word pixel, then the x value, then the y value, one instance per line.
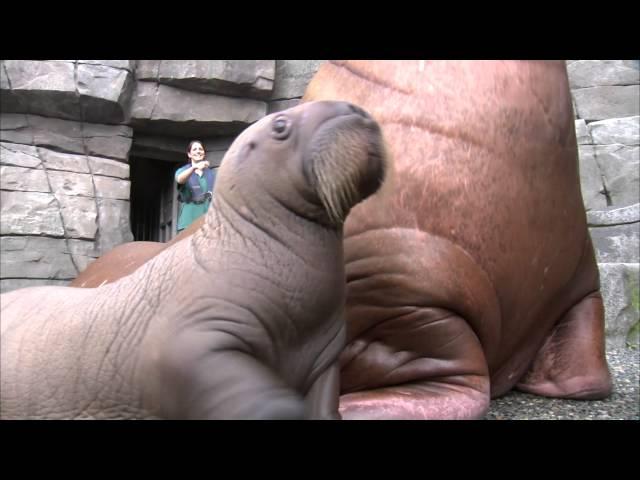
pixel 623 404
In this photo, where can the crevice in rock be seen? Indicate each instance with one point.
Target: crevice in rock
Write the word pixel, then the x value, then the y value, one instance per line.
pixel 605 191
pixel 614 224
pixel 598 86
pixel 6 74
pixel 84 147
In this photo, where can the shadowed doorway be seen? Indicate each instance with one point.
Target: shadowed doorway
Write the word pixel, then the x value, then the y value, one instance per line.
pixel 154 202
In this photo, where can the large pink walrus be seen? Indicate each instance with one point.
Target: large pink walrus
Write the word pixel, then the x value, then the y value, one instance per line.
pixel 471 271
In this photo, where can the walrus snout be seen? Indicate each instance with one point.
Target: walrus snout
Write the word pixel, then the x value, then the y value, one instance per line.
pixel 346 157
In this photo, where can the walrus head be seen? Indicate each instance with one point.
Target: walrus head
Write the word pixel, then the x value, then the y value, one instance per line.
pixel 318 159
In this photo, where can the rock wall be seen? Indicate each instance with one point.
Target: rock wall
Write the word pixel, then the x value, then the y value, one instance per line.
pixel 606 95
pixel 64 177
pixel 68 129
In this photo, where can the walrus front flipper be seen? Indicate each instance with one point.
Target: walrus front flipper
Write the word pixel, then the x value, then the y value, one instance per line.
pixel 202 384
pixel 572 363
pixel 421 315
pixel 425 364
pixel 322 398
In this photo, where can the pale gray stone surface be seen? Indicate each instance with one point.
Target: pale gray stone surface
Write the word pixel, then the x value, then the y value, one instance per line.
pixel 110 141
pixel 159 109
pixel 38 263
pixel 279 105
pixel 616 243
pixel 109 168
pixel 619 286
pixel 593 73
pixel 79 215
pixel 115 188
pixel 625 131
pixel 67 162
pixel 583 135
pixel 620 167
pixel 591 180
pixel 114 225
pixel 292 77
pixel 23 179
pixel 600 103
pixel 614 216
pixel 246 78
pixel 19 155
pixel 71 90
pixel 70 183
pixel 29 213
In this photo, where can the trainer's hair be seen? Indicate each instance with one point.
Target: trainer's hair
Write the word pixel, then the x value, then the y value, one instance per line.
pixel 191 145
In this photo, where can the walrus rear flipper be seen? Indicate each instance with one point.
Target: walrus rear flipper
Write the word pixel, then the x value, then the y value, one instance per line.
pixel 572 362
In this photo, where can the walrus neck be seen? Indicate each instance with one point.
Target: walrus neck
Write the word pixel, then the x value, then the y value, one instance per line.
pixel 265 221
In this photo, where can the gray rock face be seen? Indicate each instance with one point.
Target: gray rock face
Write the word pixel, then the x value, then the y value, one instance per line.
pixel 600 103
pixel 616 216
pixel 105 93
pixel 128 65
pixel 591 181
pixel 617 243
pixel 279 105
pixel 29 213
pixel 67 162
pixel 609 175
pixel 71 90
pixel 68 183
pixel 625 131
pixel 620 291
pixel 115 188
pixel 79 215
pixel 245 78
pixel 111 141
pixel 19 155
pixel 593 73
pixel 292 77
pixel 583 135
pixel 108 168
pixel 160 109
pixel 114 223
pixel 23 179
pixel 620 166
pixel 36 257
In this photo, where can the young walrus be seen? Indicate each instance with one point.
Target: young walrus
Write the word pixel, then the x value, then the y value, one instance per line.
pixel 243 320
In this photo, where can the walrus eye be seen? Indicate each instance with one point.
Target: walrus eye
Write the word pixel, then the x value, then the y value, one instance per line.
pixel 281 127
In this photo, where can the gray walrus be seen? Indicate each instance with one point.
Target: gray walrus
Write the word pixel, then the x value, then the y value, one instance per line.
pixel 471 271
pixel 244 319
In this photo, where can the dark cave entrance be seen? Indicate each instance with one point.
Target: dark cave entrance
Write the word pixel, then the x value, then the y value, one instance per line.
pixel 154 199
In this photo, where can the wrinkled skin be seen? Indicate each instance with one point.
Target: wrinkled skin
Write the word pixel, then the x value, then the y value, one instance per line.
pixel 471 271
pixel 243 319
pixel 125 259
